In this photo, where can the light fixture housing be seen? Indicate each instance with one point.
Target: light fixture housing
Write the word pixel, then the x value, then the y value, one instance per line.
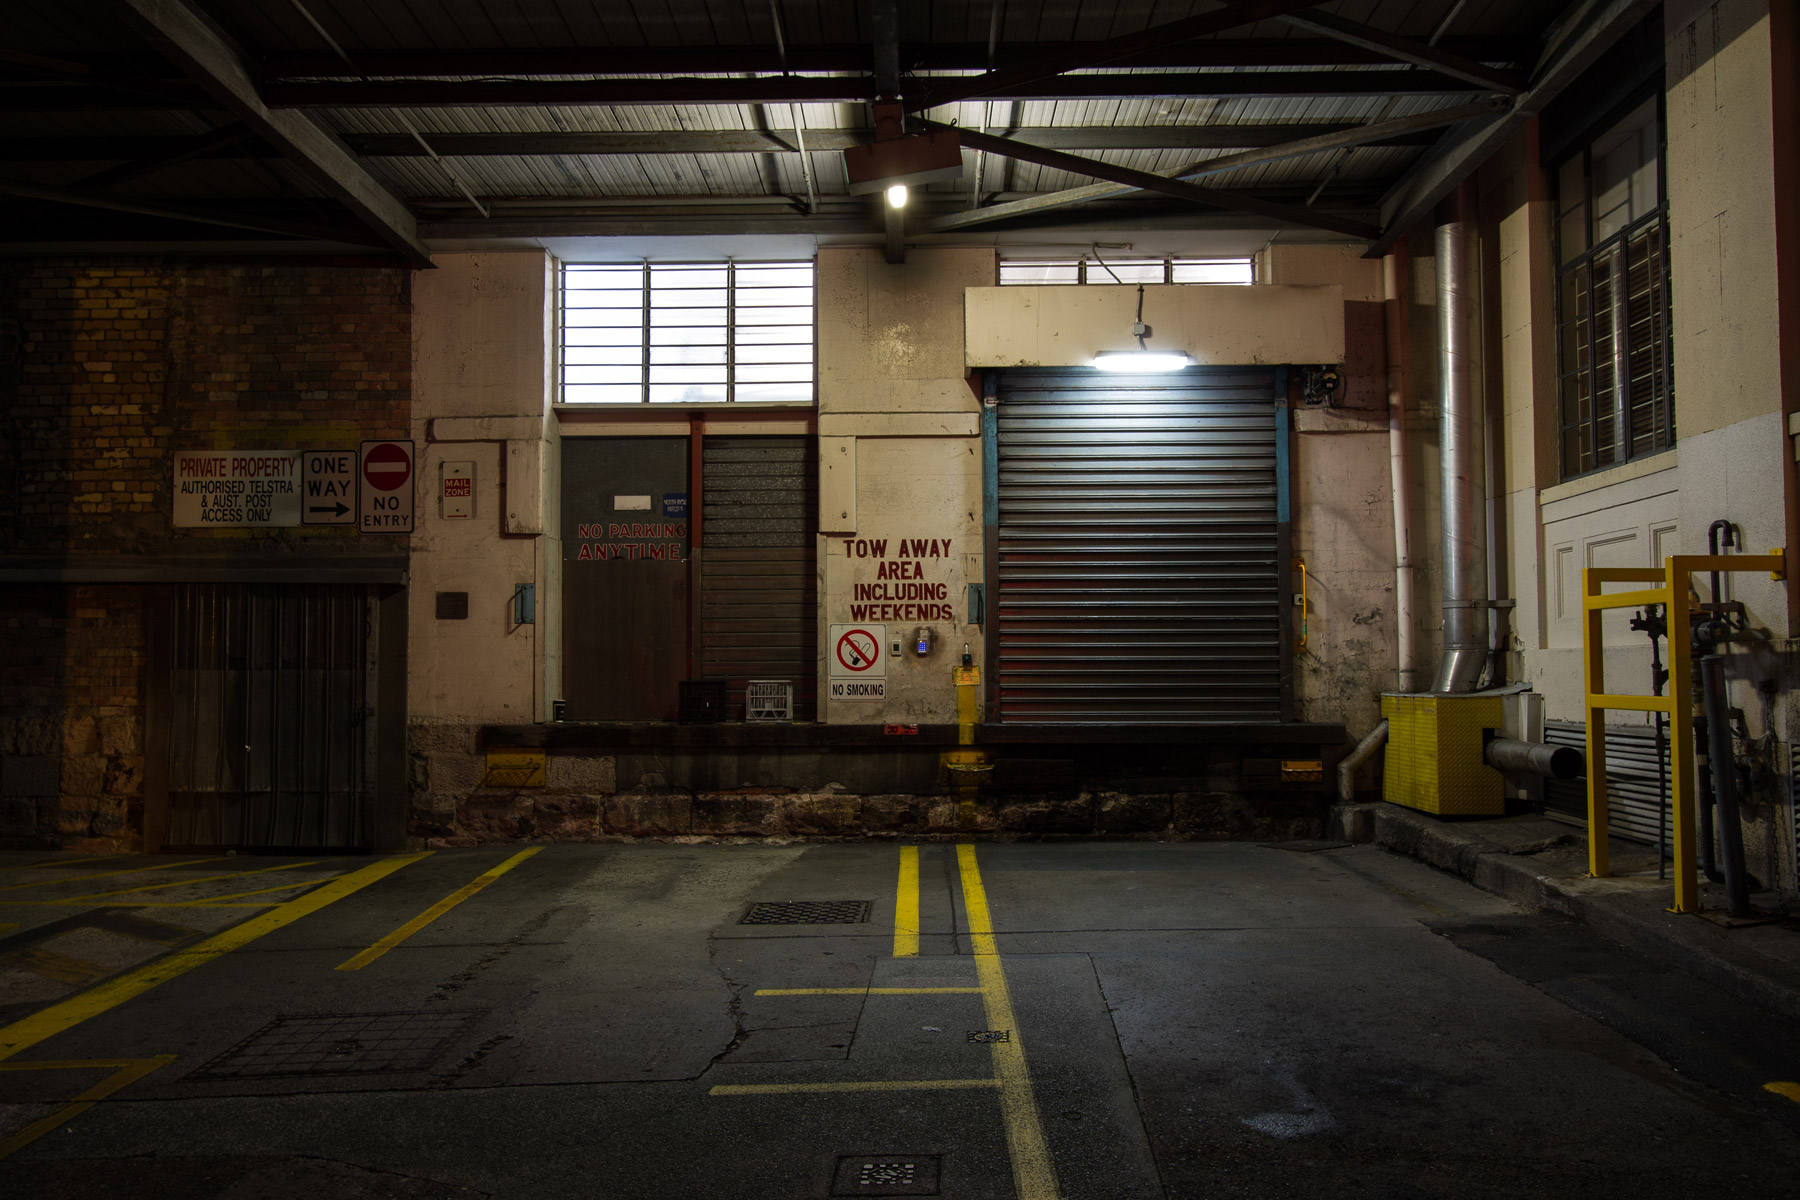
pixel 1142 362
pixel 896 196
pixel 915 159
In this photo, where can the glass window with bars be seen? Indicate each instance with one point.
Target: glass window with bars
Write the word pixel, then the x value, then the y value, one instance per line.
pixel 1088 269
pixel 1616 384
pixel 687 333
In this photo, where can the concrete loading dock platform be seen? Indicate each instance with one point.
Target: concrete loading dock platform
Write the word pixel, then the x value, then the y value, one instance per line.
pixel 993 1020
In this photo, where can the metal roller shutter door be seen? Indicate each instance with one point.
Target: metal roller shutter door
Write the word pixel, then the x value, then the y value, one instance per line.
pixel 759 585
pixel 1138 548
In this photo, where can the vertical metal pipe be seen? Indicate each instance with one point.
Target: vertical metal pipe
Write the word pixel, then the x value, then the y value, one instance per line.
pixel 1460 467
pixel 1396 294
pixel 1724 780
pixel 1619 287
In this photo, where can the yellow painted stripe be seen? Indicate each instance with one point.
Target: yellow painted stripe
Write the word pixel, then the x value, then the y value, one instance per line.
pixel 363 958
pixel 906 905
pixel 878 1085
pixel 48 1022
pixel 86 878
pixel 157 887
pixel 899 991
pixel 130 1071
pixel 1790 1090
pixel 128 903
pixel 204 901
pixel 1034 1174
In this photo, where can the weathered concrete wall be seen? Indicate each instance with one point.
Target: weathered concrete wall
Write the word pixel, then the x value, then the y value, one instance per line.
pixel 1067 326
pixel 900 463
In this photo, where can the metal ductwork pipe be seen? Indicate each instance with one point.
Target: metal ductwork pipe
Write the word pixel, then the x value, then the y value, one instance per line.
pixel 1533 758
pixel 1461 464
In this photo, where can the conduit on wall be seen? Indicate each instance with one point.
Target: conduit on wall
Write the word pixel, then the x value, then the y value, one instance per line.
pixel 1461 467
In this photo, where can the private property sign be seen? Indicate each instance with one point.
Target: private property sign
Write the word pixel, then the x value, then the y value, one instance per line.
pixel 218 489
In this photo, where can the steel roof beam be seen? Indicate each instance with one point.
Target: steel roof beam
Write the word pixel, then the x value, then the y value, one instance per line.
pixel 187 40
pixel 1356 136
pixel 185 150
pixel 814 89
pixel 969 56
pixel 998 83
pixel 174 212
pixel 1143 180
pixel 1432 58
pixel 1593 31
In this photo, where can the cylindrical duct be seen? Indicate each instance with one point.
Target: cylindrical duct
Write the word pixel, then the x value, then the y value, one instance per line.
pixel 1460 463
pixel 1533 758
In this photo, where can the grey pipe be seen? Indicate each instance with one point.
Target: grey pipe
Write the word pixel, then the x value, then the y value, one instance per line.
pixel 1354 759
pixel 1459 464
pixel 1533 758
pixel 1724 781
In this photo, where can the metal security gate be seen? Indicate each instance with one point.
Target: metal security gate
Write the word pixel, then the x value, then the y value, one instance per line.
pixel 271 717
pixel 1138 556
pixel 759 612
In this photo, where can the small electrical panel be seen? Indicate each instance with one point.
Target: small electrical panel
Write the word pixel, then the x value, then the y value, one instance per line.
pixel 458 499
pixel 923 639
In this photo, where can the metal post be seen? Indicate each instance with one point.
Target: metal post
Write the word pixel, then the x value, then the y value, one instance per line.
pixel 1724 778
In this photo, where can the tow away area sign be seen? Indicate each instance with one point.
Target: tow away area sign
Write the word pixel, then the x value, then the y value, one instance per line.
pixel 385 495
pixel 220 489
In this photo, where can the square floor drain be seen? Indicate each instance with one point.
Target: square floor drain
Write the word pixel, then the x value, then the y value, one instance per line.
pixel 340 1044
pixel 886 1175
pixel 808 912
pixel 987 1037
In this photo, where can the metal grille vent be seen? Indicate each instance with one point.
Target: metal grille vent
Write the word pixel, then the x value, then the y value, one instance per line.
pixel 887 1175
pixel 808 912
pixel 340 1044
pixel 1139 557
pixel 1631 779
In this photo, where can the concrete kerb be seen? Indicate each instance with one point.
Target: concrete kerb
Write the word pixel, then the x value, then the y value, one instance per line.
pixel 1541 865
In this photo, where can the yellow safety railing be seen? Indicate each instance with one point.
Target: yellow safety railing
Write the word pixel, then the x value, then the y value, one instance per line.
pixel 1671 590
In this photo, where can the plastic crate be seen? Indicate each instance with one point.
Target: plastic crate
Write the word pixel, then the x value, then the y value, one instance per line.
pixel 769 700
pixel 702 701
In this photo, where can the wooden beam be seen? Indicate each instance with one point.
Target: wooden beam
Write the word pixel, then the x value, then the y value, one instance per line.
pixel 1589 34
pixel 186 39
pixel 1356 136
pixel 1212 197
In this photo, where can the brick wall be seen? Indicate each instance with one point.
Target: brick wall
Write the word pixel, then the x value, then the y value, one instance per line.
pixel 107 368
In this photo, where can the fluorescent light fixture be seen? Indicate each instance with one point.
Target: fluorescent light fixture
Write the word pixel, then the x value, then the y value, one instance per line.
pixel 1143 362
pixel 897 196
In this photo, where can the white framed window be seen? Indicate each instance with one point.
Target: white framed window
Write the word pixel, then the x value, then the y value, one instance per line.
pixel 1090 269
pixel 687 333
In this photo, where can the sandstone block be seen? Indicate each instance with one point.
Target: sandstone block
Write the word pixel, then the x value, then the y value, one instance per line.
pixel 581 773
pixel 664 814
pixel 828 813
pixel 727 814
pixel 1122 812
pixel 30 775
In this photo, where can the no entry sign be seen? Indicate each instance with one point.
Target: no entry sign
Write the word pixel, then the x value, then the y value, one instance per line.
pixel 384 499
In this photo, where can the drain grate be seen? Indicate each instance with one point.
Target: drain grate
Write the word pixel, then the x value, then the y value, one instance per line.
pixel 340 1044
pixel 886 1175
pixel 987 1037
pixel 808 912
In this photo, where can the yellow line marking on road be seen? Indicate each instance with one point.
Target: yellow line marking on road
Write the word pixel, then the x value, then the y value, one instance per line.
pixel 204 901
pixel 1790 1090
pixel 66 1014
pixel 906 905
pixel 1034 1173
pixel 128 1071
pixel 363 958
pixel 186 862
pixel 8 926
pixel 871 991
pixel 157 887
pixel 879 1085
pixel 48 964
pixel 133 903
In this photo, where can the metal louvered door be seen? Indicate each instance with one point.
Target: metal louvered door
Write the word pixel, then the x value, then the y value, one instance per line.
pixel 758 581
pixel 1138 548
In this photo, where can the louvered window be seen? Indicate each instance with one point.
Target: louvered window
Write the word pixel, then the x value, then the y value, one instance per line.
pixel 1617 393
pixel 687 333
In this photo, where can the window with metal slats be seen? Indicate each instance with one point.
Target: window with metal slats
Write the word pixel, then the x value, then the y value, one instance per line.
pixel 1138 548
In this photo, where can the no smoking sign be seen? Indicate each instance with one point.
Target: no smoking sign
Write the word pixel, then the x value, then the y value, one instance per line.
pixel 858 662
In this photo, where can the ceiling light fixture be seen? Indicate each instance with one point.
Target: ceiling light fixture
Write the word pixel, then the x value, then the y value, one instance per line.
pixel 897 196
pixel 1143 360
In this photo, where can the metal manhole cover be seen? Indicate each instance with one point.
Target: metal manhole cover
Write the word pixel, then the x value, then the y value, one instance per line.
pixel 886 1175
pixel 340 1044
pixel 808 912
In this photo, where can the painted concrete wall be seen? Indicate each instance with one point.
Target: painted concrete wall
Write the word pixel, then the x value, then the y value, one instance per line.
pixel 900 462
pixel 483 333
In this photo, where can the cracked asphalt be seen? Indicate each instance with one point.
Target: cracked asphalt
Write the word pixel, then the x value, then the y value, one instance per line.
pixel 1197 1020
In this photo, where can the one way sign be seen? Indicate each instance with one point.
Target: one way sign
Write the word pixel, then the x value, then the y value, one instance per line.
pixel 328 487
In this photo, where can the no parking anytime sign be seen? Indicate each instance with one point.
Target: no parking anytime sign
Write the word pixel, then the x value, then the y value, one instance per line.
pixel 858 662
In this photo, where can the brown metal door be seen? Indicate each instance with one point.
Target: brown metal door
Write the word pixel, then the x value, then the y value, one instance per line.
pixel 625 577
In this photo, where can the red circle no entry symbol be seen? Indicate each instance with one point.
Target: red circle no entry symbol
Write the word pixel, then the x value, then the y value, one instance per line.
pixel 858 649
pixel 387 467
